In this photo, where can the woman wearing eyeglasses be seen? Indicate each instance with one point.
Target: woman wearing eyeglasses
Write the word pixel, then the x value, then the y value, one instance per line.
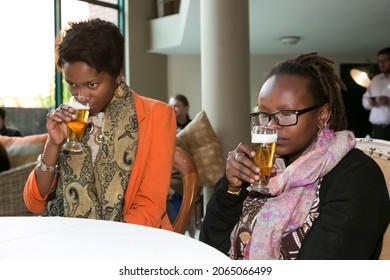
pixel 329 200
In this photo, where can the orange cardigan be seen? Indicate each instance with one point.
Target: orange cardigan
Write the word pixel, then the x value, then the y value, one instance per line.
pixel 146 193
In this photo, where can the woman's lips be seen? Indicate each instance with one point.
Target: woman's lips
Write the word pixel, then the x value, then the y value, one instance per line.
pixel 281 141
pixel 92 107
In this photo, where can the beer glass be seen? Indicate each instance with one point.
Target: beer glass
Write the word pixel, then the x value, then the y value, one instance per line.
pixel 76 126
pixel 263 143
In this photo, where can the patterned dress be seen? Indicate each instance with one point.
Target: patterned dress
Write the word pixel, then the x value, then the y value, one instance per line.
pixel 291 243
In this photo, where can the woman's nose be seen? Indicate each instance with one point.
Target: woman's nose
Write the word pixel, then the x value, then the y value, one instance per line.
pixel 272 122
pixel 83 94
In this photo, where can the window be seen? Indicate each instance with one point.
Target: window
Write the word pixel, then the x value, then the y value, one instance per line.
pixel 27 56
pixel 28 77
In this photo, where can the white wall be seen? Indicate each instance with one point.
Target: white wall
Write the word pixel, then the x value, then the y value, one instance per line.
pixel 147 71
pixel 184 78
pixel 184 75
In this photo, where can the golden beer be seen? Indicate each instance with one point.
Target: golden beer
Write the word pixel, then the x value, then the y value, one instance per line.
pixel 264 158
pixel 76 127
pixel 264 144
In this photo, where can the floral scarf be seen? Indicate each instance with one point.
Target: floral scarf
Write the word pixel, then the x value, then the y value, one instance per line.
pixel 295 189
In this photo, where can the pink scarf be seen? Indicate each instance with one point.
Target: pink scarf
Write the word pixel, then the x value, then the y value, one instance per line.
pixel 295 187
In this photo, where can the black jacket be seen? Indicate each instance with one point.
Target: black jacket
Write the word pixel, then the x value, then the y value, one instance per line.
pixel 354 212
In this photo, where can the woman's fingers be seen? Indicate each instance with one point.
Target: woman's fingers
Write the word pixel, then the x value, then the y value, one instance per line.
pixel 239 166
pixel 56 123
pixel 63 113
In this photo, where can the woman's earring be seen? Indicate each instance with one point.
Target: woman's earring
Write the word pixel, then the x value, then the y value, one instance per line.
pixel 323 129
pixel 120 90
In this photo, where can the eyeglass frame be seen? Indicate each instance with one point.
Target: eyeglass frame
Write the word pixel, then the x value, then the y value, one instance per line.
pixel 273 115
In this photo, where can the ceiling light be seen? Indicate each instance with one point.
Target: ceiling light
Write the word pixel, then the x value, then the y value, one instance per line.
pixel 289 40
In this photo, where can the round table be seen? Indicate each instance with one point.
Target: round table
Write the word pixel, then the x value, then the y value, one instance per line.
pixel 86 239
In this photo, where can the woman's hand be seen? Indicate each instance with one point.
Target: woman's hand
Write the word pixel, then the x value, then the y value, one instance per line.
pixel 57 123
pixel 240 168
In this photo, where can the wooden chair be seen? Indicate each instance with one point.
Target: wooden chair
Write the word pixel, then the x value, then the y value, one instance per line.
pixel 185 165
pixel 379 150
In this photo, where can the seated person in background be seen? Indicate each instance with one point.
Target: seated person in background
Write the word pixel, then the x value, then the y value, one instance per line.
pixel 4 160
pixel 123 173
pixel 329 200
pixel 3 129
pixel 181 106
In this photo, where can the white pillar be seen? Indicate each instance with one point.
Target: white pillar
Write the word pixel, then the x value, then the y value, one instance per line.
pixel 225 71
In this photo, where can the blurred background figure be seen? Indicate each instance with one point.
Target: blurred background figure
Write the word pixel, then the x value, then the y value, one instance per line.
pixel 377 98
pixel 3 129
pixel 180 103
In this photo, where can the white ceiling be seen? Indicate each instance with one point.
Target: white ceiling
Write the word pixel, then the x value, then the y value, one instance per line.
pixel 331 27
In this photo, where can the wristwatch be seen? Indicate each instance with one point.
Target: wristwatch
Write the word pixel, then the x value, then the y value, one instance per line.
pixel 44 167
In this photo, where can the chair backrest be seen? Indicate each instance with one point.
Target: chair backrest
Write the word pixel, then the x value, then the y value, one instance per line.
pixel 379 150
pixel 11 190
pixel 185 165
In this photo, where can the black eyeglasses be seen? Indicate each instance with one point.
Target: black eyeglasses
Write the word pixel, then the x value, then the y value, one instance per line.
pixel 282 118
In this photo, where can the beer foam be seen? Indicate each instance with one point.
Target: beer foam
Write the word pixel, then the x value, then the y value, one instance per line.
pixel 264 138
pixel 77 105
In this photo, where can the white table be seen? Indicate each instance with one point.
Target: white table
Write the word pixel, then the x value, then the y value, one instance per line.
pixel 24 238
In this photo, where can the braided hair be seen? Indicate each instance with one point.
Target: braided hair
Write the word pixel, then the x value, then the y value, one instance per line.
pixel 324 84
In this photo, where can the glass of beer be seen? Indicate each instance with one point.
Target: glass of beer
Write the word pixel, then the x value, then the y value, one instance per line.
pixel 76 127
pixel 263 143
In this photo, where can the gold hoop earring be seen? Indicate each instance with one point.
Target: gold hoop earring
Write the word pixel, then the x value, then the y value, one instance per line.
pixel 120 90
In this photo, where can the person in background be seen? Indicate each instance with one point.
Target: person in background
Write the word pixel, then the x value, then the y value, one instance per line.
pixel 377 98
pixel 181 106
pixel 123 173
pixel 3 129
pixel 328 199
